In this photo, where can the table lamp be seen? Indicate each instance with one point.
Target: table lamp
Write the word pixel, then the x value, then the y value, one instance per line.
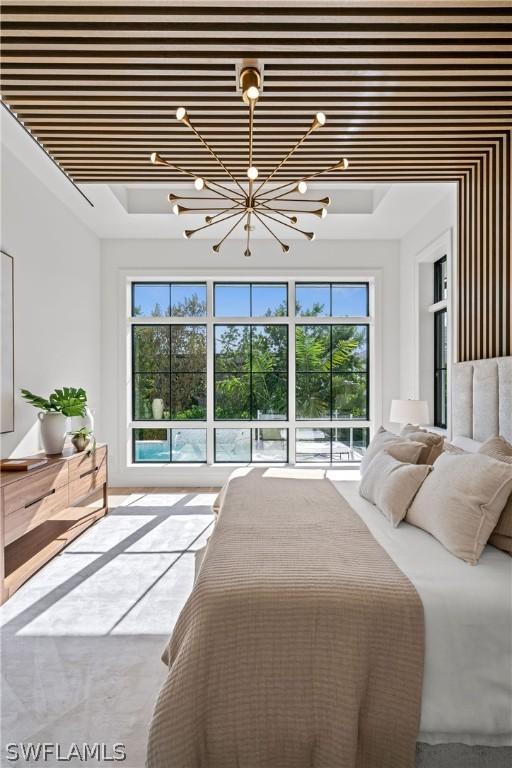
pixel 409 412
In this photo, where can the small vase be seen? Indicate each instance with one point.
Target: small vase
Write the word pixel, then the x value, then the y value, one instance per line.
pixel 80 442
pixel 157 407
pixel 53 431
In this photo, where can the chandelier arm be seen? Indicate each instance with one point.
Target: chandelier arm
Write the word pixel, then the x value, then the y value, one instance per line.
pixel 161 161
pixel 237 222
pixel 248 229
pixel 214 154
pixel 284 246
pixel 334 167
pixel 274 210
pixel 220 210
pixel 309 235
pixel 285 158
pixel 212 224
pixel 235 208
pixel 262 200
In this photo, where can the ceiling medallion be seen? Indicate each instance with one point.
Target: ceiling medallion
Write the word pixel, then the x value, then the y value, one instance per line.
pixel 243 202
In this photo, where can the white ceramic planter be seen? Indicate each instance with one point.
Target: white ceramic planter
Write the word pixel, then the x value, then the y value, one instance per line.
pixel 157 406
pixel 53 431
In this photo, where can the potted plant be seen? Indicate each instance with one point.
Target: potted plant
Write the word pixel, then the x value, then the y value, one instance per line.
pixel 54 412
pixel 81 439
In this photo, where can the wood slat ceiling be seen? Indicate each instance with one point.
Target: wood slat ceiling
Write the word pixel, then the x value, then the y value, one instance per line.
pixel 413 91
pixel 99 82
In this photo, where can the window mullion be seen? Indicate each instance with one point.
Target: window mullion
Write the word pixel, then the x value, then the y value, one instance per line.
pixel 292 417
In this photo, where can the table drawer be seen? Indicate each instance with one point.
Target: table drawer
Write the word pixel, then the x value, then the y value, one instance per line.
pixel 20 521
pixel 32 488
pixel 86 462
pixel 90 481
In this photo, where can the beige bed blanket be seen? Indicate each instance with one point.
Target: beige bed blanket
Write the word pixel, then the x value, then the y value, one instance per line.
pixel 301 645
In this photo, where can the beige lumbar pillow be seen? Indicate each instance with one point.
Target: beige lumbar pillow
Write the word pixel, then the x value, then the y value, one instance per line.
pixel 392 485
pixel 403 450
pixel 461 501
pixel 500 449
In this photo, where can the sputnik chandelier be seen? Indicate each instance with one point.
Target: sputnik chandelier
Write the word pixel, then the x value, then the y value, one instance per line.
pixel 243 202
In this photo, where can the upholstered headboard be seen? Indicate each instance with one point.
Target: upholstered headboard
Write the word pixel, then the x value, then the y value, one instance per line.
pixel 482 398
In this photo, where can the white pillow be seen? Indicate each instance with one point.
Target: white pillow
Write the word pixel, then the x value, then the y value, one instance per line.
pixel 392 485
pixel 461 501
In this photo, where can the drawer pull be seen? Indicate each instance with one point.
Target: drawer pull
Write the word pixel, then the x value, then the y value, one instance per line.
pixel 89 472
pixel 44 496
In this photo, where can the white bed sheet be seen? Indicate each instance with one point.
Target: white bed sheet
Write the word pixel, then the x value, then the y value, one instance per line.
pixel 467 689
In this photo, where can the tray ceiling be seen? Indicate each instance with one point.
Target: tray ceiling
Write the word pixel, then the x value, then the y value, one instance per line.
pixel 412 90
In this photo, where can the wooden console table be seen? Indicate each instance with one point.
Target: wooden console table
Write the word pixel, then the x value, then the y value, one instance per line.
pixel 43 509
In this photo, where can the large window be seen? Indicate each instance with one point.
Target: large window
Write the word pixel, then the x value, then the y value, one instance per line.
pixel 440 343
pixel 249 371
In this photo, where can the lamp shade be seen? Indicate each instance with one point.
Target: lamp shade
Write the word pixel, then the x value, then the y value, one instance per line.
pixel 409 412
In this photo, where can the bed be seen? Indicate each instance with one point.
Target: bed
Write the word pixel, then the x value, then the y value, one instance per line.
pixel 461 714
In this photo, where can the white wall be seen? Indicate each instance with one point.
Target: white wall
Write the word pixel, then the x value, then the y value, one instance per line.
pixel 427 241
pixel 56 297
pixel 122 259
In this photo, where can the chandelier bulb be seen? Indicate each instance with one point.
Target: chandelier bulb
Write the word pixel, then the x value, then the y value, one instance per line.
pixel 253 93
pixel 247 253
pixel 318 121
pixel 199 184
pixel 326 200
pixel 310 235
pixel 216 247
pixel 343 164
pixel 285 247
pixel 252 173
pixel 176 209
pixel 188 233
pixel 294 219
pixel 302 187
pixel 172 197
pixel 181 115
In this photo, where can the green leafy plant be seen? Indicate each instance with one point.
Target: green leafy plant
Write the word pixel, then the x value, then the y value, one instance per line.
pixel 84 433
pixel 68 401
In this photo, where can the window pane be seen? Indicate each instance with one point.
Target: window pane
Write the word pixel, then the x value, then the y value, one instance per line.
pixel 269 444
pixel 313 395
pixel 151 348
pixel 269 300
pixel 151 396
pixel 312 347
pixel 313 445
pixel 349 347
pixel 269 348
pixel 151 445
pixel 349 300
pixel 269 396
pixel 349 444
pixel 313 300
pixel 232 445
pixel 188 445
pixel 151 300
pixel 188 300
pixel 188 348
pixel 232 348
pixel 349 396
pixel 188 396
pixel 233 300
pixel 232 396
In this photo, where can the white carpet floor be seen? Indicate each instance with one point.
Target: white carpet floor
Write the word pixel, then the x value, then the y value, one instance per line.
pixel 81 640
